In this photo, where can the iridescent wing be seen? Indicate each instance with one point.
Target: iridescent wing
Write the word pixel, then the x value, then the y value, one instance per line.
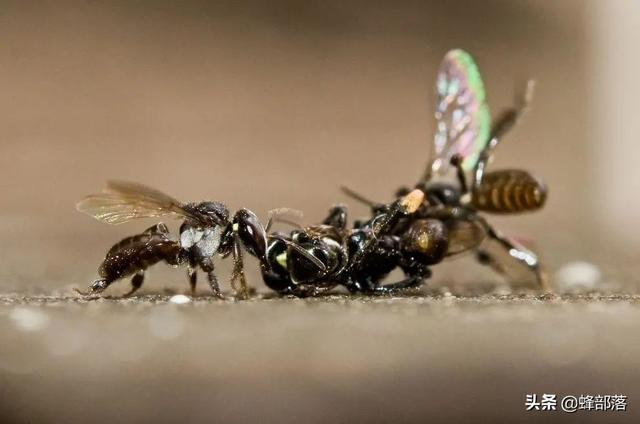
pixel 462 116
pixel 122 201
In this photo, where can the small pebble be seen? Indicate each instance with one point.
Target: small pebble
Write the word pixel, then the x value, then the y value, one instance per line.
pixel 180 299
pixel 578 276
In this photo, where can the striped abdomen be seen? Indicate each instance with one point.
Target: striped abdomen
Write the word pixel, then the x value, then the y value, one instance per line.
pixel 509 191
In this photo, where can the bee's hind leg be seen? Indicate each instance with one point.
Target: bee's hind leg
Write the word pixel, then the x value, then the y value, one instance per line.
pixel 136 283
pixel 207 266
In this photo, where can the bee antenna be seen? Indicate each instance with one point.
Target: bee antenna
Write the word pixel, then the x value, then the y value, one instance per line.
pixel 456 161
pixel 359 197
pixel 529 91
pixel 274 216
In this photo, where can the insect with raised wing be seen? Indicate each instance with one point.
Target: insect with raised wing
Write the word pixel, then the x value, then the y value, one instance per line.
pixel 464 142
pixel 206 231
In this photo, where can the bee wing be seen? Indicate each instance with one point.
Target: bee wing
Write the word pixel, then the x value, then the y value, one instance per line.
pixel 464 235
pixel 122 201
pixel 462 116
pixel 516 263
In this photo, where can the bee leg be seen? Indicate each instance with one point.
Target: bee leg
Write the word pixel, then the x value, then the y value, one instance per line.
pixel 375 206
pixel 192 273
pixel 304 291
pixel 368 286
pixel 415 278
pixel 337 217
pixel 97 287
pixel 507 120
pixel 247 233
pixel 207 266
pixel 400 286
pixel 237 275
pixel 510 117
pixel 518 253
pixel 136 283
pixel 456 161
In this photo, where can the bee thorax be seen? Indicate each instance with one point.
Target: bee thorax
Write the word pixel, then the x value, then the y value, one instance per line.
pixel 205 240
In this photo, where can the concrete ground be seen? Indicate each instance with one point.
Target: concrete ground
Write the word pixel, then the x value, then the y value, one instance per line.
pixel 432 358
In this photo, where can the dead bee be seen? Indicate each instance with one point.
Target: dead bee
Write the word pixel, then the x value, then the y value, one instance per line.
pixel 205 232
pixel 464 141
pixel 314 259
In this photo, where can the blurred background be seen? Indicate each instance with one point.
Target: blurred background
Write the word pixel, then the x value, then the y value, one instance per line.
pixel 270 104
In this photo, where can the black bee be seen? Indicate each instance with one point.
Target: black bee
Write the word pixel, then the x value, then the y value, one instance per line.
pixel 465 141
pixel 446 223
pixel 315 259
pixel 205 232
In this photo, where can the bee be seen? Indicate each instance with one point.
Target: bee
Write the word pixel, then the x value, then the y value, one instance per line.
pixel 463 145
pixel 206 231
pixel 315 259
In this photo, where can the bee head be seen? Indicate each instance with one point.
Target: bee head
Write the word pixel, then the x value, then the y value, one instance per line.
pixel 442 193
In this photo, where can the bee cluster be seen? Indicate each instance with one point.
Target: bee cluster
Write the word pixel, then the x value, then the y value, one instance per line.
pixel 424 225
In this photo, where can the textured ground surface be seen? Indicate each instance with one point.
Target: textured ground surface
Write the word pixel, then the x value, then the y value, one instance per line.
pixel 334 359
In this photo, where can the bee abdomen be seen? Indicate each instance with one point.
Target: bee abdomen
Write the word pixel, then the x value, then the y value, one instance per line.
pixel 509 191
pixel 138 253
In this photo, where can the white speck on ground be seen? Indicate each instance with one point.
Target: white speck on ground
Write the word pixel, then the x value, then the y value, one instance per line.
pixel 577 276
pixel 180 299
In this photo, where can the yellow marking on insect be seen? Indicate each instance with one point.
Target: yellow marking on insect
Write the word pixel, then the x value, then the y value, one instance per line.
pixel 495 199
pixel 282 259
pixel 235 227
pixel 517 196
pixel 412 201
pixel 423 241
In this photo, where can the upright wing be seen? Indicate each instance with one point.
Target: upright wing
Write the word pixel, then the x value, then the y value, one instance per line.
pixel 462 116
pixel 122 201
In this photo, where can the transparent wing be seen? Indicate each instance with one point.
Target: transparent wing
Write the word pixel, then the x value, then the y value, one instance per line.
pixel 462 116
pixel 122 201
pixel 517 264
pixel 464 236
